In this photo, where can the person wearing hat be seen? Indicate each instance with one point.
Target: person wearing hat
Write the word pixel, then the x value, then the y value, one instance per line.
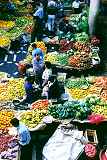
pixel 37 51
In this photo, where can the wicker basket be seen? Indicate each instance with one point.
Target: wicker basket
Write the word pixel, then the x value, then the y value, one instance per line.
pixel 91 136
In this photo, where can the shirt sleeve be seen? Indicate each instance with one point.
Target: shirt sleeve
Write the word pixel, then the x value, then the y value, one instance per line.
pixel 24 138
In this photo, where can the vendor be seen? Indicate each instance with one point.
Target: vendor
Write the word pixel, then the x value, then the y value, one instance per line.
pixel 37 51
pixel 24 139
pixel 65 27
pixel 46 73
pixel 38 66
pixel 32 93
pixel 53 90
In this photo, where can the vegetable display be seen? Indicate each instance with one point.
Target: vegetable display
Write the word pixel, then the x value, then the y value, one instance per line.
pixel 8 147
pixel 12 89
pixel 32 118
pixel 70 109
pixel 40 104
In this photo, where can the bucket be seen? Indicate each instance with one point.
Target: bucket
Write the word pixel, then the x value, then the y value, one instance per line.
pixel 102 155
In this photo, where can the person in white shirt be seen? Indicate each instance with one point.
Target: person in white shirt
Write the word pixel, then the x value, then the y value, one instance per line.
pixel 47 73
pixel 76 6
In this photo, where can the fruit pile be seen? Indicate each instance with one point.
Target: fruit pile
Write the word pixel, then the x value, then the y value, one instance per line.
pixel 40 104
pixel 68 110
pixel 52 57
pixel 4 41
pixel 65 45
pixel 5 117
pixel 100 109
pixel 6 24
pixel 40 45
pixel 32 118
pixel 8 147
pixel 12 89
pixel 81 61
pixel 81 47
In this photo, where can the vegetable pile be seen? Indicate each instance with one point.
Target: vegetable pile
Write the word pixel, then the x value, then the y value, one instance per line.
pixel 71 109
pixel 40 104
pixel 32 118
pixel 8 147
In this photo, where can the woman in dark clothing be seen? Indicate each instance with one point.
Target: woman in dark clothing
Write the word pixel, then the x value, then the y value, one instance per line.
pixel 37 30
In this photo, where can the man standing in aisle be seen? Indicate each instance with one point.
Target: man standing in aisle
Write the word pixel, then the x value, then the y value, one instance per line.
pixel 24 139
pixel 51 11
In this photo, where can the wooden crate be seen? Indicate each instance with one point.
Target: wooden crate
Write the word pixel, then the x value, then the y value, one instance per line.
pixel 91 136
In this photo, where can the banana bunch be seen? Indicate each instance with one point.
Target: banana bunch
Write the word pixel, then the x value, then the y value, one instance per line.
pixel 6 24
pixel 32 118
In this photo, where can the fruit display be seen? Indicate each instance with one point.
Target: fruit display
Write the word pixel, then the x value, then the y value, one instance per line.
pixel 52 57
pixel 12 89
pixel 4 41
pixel 81 47
pixel 65 45
pixel 6 24
pixel 70 109
pixel 81 61
pixel 40 45
pixel 100 110
pixel 40 104
pixel 8 147
pixel 16 27
pixel 32 118
pixel 5 118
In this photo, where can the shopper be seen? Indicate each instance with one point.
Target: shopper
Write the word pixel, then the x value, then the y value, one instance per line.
pixel 38 66
pixel 37 51
pixel 37 29
pixel 76 6
pixel 47 73
pixel 51 11
pixel 93 10
pixel 39 11
pixel 24 139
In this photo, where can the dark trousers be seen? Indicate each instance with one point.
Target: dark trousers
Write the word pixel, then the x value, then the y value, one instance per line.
pixel 26 152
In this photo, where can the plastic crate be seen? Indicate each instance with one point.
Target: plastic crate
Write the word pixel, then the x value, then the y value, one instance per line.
pixel 91 136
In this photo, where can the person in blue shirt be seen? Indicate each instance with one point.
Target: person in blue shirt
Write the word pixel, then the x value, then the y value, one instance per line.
pixel 37 51
pixel 39 11
pixel 38 67
pixel 24 139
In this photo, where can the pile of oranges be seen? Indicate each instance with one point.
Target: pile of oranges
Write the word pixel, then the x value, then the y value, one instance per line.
pixel 5 118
